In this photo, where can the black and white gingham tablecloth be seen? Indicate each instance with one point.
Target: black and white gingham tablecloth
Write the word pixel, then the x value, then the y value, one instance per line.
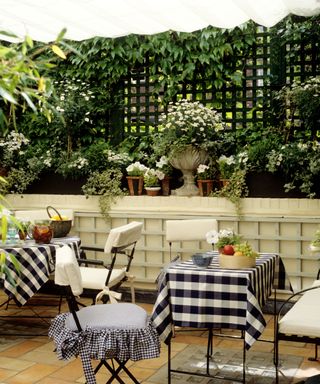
pixel 36 262
pixel 214 297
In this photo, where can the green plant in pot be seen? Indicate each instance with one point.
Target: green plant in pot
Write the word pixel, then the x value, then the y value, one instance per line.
pixel 135 179
pixel 151 180
pixel 188 130
pixel 107 185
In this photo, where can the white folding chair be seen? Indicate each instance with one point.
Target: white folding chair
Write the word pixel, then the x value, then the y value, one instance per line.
pixel 188 230
pixel 301 323
pixel 102 283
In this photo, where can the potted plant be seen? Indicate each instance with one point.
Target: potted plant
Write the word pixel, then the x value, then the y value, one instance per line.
pixel 205 178
pixel 151 180
pixel 163 165
pixel 226 168
pixel 236 188
pixel 187 131
pixel 135 172
pixel 107 185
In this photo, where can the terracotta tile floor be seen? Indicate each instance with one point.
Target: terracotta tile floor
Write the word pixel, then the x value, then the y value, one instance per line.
pixel 26 360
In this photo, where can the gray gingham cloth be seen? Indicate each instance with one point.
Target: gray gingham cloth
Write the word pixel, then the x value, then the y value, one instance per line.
pixel 123 344
pixel 214 297
pixel 36 262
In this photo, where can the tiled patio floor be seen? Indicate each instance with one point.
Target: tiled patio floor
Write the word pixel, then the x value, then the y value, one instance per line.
pixel 32 360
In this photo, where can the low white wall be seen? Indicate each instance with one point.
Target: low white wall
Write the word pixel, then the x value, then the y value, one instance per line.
pixel 284 226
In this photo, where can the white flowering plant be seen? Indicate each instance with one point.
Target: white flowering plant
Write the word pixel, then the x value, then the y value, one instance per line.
pixel 73 105
pixel 227 165
pixel 164 166
pixel 188 123
pixel 206 172
pixel 73 165
pixel 223 237
pixel 136 169
pixel 152 177
pixel 11 147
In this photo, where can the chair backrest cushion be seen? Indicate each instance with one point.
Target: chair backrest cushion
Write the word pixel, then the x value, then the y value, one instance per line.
pixel 67 271
pixel 194 229
pixel 124 235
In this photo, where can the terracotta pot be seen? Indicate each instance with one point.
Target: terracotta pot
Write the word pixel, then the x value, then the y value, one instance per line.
pixel 152 191
pixel 165 185
pixel 205 187
pixel 223 182
pixel 135 185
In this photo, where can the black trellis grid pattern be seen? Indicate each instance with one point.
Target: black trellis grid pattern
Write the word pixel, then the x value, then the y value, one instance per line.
pixel 242 106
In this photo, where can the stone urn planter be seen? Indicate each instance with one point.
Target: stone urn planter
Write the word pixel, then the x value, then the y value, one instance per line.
pixel 188 161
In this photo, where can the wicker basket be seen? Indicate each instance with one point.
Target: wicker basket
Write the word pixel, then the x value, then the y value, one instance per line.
pixel 60 227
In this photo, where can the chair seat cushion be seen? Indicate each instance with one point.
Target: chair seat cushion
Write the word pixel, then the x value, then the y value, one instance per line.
pixel 110 316
pixel 303 319
pixel 95 278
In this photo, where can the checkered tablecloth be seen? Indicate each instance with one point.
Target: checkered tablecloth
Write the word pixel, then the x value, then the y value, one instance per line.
pixel 214 297
pixel 36 263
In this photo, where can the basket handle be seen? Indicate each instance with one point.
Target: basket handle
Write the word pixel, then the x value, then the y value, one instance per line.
pixel 50 207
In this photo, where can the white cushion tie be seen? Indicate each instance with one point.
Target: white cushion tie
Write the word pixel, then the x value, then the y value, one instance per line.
pixel 113 295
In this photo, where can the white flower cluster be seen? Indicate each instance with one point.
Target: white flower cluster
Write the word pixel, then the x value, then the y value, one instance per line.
pixel 156 172
pixel 228 160
pixel 214 236
pixel 74 93
pixel 202 168
pixel 162 162
pixel 136 169
pixel 14 141
pixel 192 119
pixel 118 158
pixel 78 163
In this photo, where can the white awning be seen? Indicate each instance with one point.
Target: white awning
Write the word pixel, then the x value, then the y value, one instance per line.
pixel 42 20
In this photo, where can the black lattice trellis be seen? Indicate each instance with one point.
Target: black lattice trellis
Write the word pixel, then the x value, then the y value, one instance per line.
pixel 269 67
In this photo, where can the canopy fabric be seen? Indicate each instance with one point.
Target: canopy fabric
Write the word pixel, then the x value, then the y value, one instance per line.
pixel 42 20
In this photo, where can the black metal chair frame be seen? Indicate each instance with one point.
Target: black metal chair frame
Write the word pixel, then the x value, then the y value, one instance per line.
pixel 283 336
pixel 91 262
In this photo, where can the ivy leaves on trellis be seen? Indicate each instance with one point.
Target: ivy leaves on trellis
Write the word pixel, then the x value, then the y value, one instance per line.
pixel 171 57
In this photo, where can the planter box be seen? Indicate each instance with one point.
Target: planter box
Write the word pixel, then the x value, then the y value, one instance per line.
pixel 55 184
pixel 265 184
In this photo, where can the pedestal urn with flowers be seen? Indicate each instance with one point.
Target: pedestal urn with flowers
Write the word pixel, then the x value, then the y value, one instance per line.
pixel 188 132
